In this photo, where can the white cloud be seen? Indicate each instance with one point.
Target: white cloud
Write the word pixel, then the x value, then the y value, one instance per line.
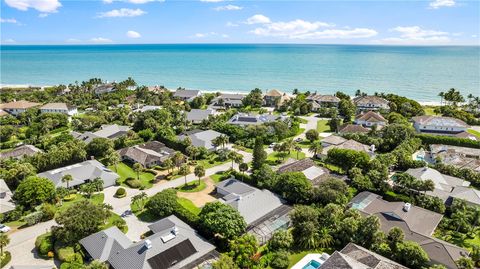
pixel 133 34
pixel 258 19
pixel 100 40
pixel 442 3
pixel 43 15
pixel 12 20
pixel 417 35
pixel 123 12
pixel 9 41
pixel 474 36
pixel 209 34
pixel 212 1
pixel 290 29
pixel 73 40
pixel 46 6
pixel 228 8
pixel 231 24
pixel 132 1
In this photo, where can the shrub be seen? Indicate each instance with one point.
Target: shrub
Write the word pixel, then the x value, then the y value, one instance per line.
pixel 72 265
pixel 33 218
pixel 187 216
pixel 48 211
pixel 133 183
pixel 163 203
pixel 44 244
pixel 121 192
pixel 6 259
pixel 70 197
pixel 67 254
pixel 448 140
pixel 281 239
pixel 279 260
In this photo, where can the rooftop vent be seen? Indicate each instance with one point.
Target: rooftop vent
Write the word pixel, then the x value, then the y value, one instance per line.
pixel 148 244
pixel 407 207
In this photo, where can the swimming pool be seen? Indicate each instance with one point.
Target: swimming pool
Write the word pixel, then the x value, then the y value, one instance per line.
pixel 312 265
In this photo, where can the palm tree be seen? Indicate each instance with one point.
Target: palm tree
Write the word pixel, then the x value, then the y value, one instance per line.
pixel 315 148
pixel 192 151
pixel 177 158
pixel 243 167
pixel 67 178
pixel 442 95
pixel 168 163
pixel 4 241
pixel 221 140
pixel 324 239
pixel 199 172
pixel 298 149
pixel 139 198
pixel 184 171
pixel 288 145
pixel 137 168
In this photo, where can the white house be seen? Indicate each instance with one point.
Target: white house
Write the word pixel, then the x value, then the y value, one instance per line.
pixel 17 107
pixel 371 102
pixel 59 108
pixel 370 119
pixel 437 124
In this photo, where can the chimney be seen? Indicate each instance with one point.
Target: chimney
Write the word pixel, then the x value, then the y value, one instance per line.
pixel 148 244
pixel 407 207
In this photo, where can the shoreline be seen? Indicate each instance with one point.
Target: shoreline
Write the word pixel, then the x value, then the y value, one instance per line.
pixel 14 86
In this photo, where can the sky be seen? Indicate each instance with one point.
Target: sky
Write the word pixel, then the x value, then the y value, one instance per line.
pixel 388 22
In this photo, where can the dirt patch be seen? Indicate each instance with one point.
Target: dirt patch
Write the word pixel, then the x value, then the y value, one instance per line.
pixel 200 198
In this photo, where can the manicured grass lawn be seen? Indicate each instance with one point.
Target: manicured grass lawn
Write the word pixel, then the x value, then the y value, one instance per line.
pixel 273 157
pixel 192 186
pixel 429 110
pixel 322 126
pixel 113 219
pixel 302 120
pixel 217 177
pixel 96 198
pixel 475 133
pixel 304 144
pixel 188 205
pixel 297 256
pixel 243 148
pixel 210 162
pixel 17 223
pixel 125 171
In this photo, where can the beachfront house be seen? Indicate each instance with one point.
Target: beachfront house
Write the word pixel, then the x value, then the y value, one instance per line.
pixel 228 100
pixel 16 107
pixel 243 119
pixel 172 244
pixel 186 95
pixel 81 173
pixel 196 116
pixel 20 152
pixel 59 108
pixel 370 119
pixel 370 102
pixel 272 214
pixel 439 125
pixel 200 138
pixel 318 101
pixel 104 88
pixel 417 224
pixel 149 154
pixel 113 131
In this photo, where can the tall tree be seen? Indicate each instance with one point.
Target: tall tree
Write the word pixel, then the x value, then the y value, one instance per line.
pixel 259 154
pixel 137 167
pixel 199 172
pixel 66 179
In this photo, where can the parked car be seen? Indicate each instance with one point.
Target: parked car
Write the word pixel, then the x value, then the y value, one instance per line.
pixel 4 228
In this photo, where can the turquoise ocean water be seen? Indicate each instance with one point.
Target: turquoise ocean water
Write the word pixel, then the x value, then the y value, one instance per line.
pixel 415 72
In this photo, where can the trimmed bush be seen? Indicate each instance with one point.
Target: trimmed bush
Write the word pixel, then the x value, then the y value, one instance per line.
pixel 6 259
pixel 48 211
pixel 133 183
pixel 44 244
pixel 33 218
pixel 70 197
pixel 448 140
pixel 67 254
pixel 120 193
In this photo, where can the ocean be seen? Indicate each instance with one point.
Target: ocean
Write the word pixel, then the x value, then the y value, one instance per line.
pixel 416 72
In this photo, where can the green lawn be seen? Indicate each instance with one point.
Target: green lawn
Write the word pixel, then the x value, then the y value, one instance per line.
pixel 192 186
pixel 322 126
pixel 274 157
pixel 210 162
pixel 217 177
pixel 297 256
pixel 242 148
pixel 125 171
pixel 304 144
pixel 429 110
pixel 112 220
pixel 188 205
pixel 96 198
pixel 475 133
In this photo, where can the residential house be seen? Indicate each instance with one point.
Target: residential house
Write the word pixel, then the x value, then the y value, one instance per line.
pixel 3 113
pixel 173 244
pixel 186 95
pixel 439 125
pixel 104 88
pixel 370 119
pixel 106 131
pixel 370 102
pixel 353 256
pixel 20 152
pixel 228 100
pixel 417 224
pixel 59 108
pixel 141 109
pixel 81 173
pixel 309 168
pixel 250 119
pixel 148 154
pixel 201 138
pixel 319 100
pixel 196 116
pixel 461 157
pixel 334 141
pixel 262 220
pixel 352 129
pixel 447 187
pixel 274 98
pixel 16 107
pixel 6 202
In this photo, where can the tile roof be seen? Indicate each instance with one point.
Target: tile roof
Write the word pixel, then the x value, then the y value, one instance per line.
pixel 106 131
pixel 22 104
pixel 334 140
pixel 19 152
pixel 349 144
pixel 470 195
pixel 59 106
pixel 353 128
pixel 370 116
pixel 440 121
pixel 274 93
pixel 369 99
pixel 443 182
pixel 147 153
pixel 323 98
pixel 186 93
pixel 308 167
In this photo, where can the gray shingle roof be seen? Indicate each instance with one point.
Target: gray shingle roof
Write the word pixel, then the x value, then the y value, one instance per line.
pixel 147 153
pixel 246 119
pixel 19 152
pixel 197 115
pixel 106 131
pixel 186 93
pixel 370 99
pixel 440 121
pixel 201 138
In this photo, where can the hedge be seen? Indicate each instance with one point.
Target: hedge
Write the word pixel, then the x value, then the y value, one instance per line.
pixel 44 244
pixel 33 218
pixel 448 140
pixel 133 183
pixel 120 193
pixel 6 259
